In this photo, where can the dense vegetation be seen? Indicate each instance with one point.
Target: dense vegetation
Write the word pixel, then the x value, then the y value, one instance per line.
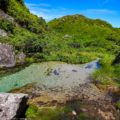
pixel 60 113
pixel 81 44
pixel 72 39
pixel 93 35
pixel 7 26
pixel 84 39
pixel 18 10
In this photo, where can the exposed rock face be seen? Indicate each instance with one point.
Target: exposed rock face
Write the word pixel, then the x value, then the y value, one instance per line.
pixel 9 18
pixel 3 33
pixel 22 57
pixel 7 56
pixel 12 105
pixel 6 16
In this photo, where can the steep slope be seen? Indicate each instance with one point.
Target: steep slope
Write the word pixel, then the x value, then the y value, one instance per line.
pixel 84 39
pixel 18 10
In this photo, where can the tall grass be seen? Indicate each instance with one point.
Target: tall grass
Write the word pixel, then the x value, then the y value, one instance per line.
pixel 106 74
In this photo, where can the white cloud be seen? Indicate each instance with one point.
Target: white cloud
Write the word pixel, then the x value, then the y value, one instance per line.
pixel 37 5
pixel 46 16
pixel 51 13
pixel 100 11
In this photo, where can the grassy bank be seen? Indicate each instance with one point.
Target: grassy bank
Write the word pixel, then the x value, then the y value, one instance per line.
pixel 70 111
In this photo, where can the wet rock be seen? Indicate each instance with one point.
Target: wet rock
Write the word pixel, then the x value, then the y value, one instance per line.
pixel 55 72
pixel 74 70
pixel 7 56
pixel 3 33
pixel 22 57
pixel 12 105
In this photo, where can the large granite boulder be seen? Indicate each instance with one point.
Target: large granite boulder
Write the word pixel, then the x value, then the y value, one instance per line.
pixel 12 106
pixel 7 56
pixel 3 33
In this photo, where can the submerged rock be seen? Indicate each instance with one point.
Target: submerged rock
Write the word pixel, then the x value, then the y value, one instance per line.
pixel 12 106
pixel 7 56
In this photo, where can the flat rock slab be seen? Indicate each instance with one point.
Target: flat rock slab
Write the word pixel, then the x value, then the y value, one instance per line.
pixel 12 105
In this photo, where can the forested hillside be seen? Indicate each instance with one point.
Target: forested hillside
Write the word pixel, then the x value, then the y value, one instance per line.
pixel 74 39
pixel 84 39
pixel 22 15
pixel 84 32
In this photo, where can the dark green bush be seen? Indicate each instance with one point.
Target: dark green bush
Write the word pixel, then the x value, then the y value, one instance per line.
pixel 7 26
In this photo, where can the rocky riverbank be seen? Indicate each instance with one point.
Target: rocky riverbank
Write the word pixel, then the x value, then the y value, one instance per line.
pixel 65 83
pixel 52 84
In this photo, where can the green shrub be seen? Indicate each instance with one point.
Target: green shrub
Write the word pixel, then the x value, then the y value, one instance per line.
pixel 32 111
pixel 4 39
pixel 18 10
pixel 105 75
pixel 83 116
pixel 118 104
pixel 117 73
pixel 7 26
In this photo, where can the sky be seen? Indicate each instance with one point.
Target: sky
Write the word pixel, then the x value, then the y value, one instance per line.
pixel 108 10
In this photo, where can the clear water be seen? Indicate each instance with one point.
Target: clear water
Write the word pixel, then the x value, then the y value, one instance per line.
pixel 38 73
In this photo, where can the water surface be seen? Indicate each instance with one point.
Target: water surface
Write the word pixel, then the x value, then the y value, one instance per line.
pixel 49 74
